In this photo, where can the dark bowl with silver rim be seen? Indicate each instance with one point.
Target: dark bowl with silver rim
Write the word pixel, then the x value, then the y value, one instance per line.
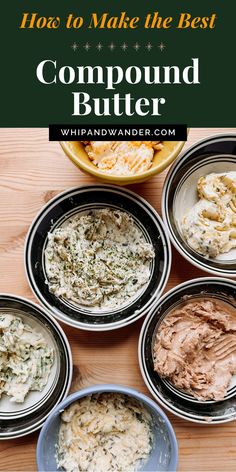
pixel 80 201
pixel 216 154
pixel 20 419
pixel 177 401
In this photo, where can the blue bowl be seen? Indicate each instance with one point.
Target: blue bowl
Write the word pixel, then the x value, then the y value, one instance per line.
pixel 164 454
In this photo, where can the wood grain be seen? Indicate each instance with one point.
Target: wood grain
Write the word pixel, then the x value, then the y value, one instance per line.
pixel 33 170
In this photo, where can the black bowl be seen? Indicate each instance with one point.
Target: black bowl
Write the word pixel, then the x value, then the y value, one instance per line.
pixel 83 199
pixel 199 412
pixel 216 154
pixel 14 426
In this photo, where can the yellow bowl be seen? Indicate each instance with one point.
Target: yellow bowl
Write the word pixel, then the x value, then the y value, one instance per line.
pixel 75 150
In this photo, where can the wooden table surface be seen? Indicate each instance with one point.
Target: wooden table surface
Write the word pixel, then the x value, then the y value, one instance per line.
pixel 32 171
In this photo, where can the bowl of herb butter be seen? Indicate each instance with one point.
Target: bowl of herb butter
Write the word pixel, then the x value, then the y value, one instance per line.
pixel 107 427
pixel 199 205
pixel 97 257
pixel 35 368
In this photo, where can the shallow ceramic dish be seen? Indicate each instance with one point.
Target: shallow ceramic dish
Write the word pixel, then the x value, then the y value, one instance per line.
pixel 20 419
pixel 176 401
pixel 212 155
pixel 83 199
pixel 164 454
pixel 75 150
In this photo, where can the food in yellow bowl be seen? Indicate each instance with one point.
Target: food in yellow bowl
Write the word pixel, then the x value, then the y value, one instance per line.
pixel 157 157
pixel 122 157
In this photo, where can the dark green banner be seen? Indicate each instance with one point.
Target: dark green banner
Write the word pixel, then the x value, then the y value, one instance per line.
pixel 117 62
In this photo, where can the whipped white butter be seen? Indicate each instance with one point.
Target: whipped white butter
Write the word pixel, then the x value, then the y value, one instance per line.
pixel 104 433
pixel 209 227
